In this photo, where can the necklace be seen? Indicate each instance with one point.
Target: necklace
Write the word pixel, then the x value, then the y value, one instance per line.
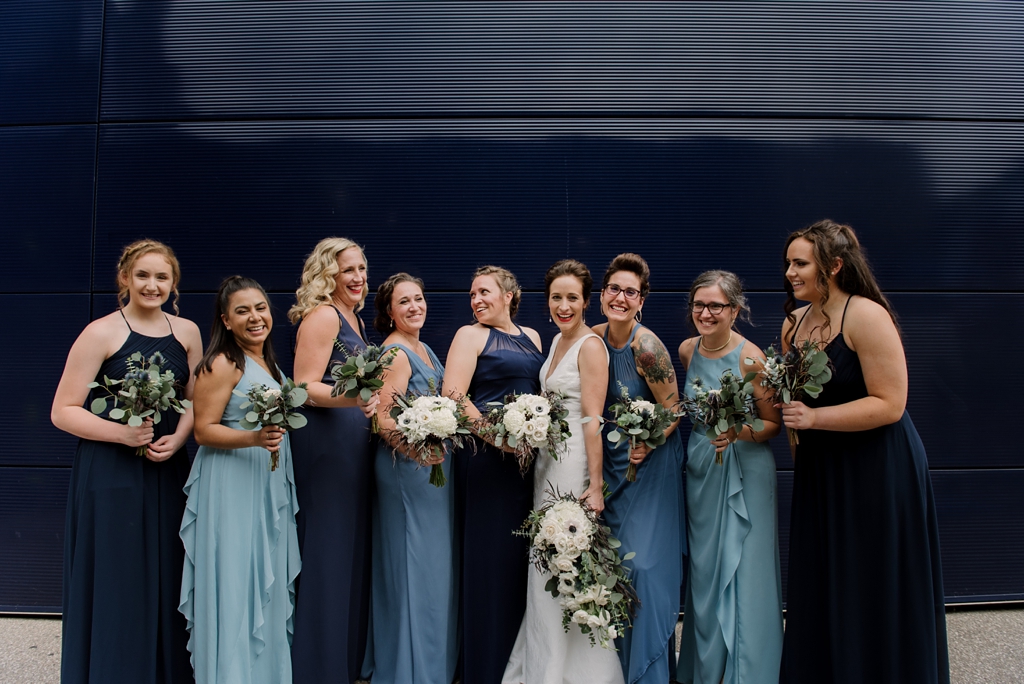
pixel 253 355
pixel 709 349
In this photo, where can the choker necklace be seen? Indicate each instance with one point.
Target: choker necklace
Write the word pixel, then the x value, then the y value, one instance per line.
pixel 709 349
pixel 253 355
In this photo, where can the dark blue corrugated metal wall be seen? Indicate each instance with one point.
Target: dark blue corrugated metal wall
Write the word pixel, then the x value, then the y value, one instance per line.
pixel 444 135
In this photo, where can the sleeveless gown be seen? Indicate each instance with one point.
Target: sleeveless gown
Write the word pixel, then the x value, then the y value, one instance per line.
pixel 648 517
pixel 333 460
pixel 122 555
pixel 415 602
pixel 544 653
pixel 733 622
pixel 865 599
pixel 241 557
pixel 492 499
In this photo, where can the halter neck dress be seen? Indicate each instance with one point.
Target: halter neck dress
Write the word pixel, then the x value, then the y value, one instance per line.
pixel 865 601
pixel 122 555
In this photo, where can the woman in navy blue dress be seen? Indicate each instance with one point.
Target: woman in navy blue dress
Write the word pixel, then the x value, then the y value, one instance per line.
pixel 122 556
pixel 333 463
pixel 865 597
pixel 488 360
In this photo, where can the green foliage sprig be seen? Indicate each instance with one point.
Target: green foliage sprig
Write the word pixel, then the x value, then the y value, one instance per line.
pixel 731 406
pixel 803 370
pixel 637 420
pixel 361 374
pixel 269 406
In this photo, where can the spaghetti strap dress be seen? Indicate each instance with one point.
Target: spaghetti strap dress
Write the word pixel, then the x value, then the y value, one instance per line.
pixel 241 556
pixel 865 600
pixel 492 499
pixel 122 555
pixel 732 630
pixel 333 460
pixel 648 517
pixel 415 602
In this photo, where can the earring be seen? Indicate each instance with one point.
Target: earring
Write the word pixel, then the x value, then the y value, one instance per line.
pixel 392 322
pixel 550 320
pixel 639 315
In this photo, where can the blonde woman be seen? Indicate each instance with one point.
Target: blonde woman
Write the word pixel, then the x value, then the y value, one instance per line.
pixel 333 466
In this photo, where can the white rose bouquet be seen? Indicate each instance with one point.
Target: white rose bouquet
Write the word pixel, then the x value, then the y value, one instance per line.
pixel 528 423
pixel 587 577
pixel 429 425
pixel 638 420
pixel 719 410
pixel 272 406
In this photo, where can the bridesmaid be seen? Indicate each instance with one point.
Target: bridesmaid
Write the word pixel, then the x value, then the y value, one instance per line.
pixel 488 360
pixel 241 546
pixel 732 631
pixel 415 604
pixel 865 597
pixel 122 556
pixel 333 471
pixel 648 516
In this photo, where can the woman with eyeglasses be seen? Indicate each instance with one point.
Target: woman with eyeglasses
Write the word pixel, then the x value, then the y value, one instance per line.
pixel 648 515
pixel 733 627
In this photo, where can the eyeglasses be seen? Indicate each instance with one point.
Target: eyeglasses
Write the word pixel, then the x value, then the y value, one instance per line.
pixel 613 290
pixel 714 307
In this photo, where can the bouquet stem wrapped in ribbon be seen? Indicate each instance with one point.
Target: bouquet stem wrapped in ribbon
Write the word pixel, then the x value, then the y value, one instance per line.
pixel 146 391
pixel 362 374
pixel 720 410
pixel 272 406
pixel 429 425
pixel 528 423
pixel 637 420
pixel 803 370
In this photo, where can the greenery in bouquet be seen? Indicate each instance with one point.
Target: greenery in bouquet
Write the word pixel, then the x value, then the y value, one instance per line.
pixel 146 391
pixel 729 407
pixel 361 374
pixel 528 423
pixel 581 557
pixel 429 425
pixel 269 406
pixel 803 370
pixel 639 421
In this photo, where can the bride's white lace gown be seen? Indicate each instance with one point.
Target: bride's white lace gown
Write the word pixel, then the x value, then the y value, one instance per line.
pixel 544 653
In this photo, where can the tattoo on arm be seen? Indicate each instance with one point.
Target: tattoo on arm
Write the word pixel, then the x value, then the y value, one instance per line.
pixel 652 360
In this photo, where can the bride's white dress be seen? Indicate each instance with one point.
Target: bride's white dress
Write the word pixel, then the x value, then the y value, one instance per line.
pixel 544 653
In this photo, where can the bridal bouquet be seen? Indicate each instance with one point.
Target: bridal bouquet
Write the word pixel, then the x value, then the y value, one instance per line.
pixel 272 406
pixel 788 377
pixel 426 425
pixel 720 410
pixel 528 423
pixel 638 420
pixel 586 573
pixel 145 391
pixel 361 374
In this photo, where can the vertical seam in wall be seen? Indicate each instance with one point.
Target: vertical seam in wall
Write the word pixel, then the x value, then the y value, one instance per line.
pixel 565 181
pixel 96 162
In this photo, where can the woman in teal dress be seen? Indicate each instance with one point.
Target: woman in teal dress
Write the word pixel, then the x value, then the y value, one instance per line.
pixel 241 546
pixel 648 515
pixel 732 630
pixel 414 602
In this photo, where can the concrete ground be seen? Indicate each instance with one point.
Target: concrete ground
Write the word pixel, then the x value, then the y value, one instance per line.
pixel 985 647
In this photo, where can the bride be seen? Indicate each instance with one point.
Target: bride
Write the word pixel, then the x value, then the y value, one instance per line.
pixel 577 366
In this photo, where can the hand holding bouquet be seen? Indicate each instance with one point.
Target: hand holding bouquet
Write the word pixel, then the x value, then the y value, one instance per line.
pixel 362 374
pixel 587 576
pixel 426 425
pixel 638 420
pixel 145 392
pixel 273 407
pixel 527 423
pixel 804 369
pixel 720 410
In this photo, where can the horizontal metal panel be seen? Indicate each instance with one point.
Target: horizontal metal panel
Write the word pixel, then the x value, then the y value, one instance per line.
pixel 40 332
pixel 32 506
pixel 931 201
pixel 46 197
pixel 50 57
pixel 201 59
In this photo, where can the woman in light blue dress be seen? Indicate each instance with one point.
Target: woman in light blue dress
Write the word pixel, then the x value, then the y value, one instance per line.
pixel 732 630
pixel 648 515
pixel 241 547
pixel 414 604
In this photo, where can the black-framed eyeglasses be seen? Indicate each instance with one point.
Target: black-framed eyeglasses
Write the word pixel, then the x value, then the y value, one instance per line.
pixel 628 292
pixel 714 307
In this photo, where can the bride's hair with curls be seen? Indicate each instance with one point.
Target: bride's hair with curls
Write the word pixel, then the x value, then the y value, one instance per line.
pixel 131 254
pixel 318 277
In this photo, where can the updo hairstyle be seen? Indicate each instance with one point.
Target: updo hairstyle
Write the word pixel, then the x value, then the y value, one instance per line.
pixel 576 269
pixel 131 254
pixel 506 282
pixel 731 287
pixel 382 321
pixel 633 263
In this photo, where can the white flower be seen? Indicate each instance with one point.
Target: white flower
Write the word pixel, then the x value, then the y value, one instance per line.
pixel 540 406
pixel 638 406
pixel 597 621
pixel 569 604
pixel 612 632
pixel 514 421
pixel 541 424
pixel 442 423
pixel 581 617
pixel 564 564
pixel 271 393
pixel 566 583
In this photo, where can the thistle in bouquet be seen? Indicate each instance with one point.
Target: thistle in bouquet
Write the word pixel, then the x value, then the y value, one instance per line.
pixel 527 423
pixel 429 425
pixel 146 391
pixel 587 578
pixel 729 407
pixel 361 374
pixel 269 406
pixel 639 421
pixel 803 370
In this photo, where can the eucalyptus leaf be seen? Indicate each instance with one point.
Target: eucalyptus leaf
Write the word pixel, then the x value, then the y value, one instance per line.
pixel 134 421
pixel 99 405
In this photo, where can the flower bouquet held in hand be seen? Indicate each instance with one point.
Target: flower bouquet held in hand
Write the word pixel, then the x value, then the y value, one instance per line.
pixel 637 420
pixel 804 369
pixel 587 576
pixel 527 423
pixel 144 392
pixel 429 425
pixel 273 407
pixel 362 374
pixel 720 410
